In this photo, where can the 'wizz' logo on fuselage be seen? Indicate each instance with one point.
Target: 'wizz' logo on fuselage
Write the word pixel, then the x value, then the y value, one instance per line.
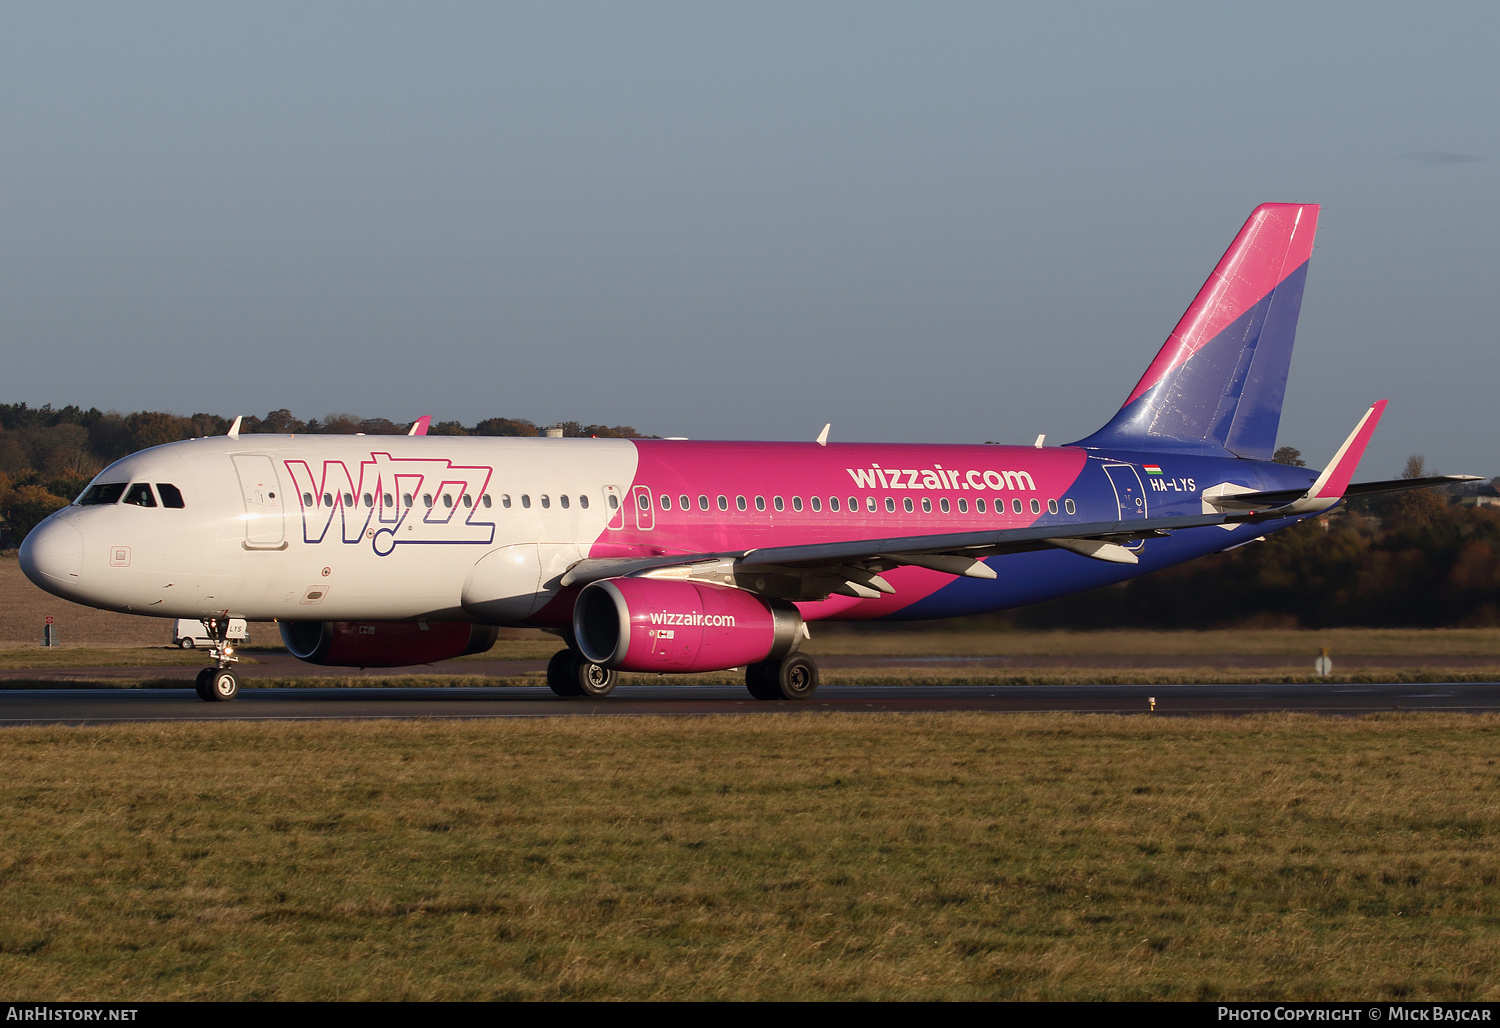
pixel 393 501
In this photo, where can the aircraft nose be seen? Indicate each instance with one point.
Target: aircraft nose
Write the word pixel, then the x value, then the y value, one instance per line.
pixel 52 555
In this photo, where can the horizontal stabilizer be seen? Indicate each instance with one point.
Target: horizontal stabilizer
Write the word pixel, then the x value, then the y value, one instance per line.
pixel 1278 497
pixel 1328 490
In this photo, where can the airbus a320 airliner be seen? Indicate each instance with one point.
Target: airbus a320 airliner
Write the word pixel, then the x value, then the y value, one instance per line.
pixel 677 556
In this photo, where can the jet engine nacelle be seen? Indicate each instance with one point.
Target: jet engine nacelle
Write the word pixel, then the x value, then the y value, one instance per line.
pixel 645 624
pixel 384 643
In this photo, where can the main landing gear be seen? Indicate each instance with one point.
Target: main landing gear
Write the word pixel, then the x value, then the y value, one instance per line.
pixel 218 684
pixel 569 673
pixel 790 678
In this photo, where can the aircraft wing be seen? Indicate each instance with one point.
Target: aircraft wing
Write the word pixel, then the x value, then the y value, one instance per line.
pixel 852 567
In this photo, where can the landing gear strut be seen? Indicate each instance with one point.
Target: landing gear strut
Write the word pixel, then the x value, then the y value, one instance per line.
pixel 791 678
pixel 571 674
pixel 218 683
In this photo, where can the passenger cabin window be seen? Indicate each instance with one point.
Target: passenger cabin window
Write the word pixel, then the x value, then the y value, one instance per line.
pixel 817 504
pixel 563 499
pixel 369 500
pixel 485 499
pixel 1051 506
pixel 963 505
pixel 926 505
pixel 906 502
pixel 760 503
pixel 1015 505
pixel 547 501
pixel 943 504
pixel 890 504
pixel 140 495
pixel 739 503
pixel 505 500
pixel 427 500
pixel 833 503
pixel 583 501
pixel 684 502
pixel 171 496
pixel 526 500
pixel 387 500
pixel 979 506
pixel 778 502
pixel 702 502
pixel 666 502
pixel 1036 505
pixel 797 504
pixel 102 495
pixel 723 502
pixel 1068 506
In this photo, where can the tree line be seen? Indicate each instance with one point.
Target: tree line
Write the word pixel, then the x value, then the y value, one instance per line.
pixel 48 454
pixel 1417 559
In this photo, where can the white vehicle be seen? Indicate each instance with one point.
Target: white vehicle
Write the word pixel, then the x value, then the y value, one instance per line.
pixel 189 633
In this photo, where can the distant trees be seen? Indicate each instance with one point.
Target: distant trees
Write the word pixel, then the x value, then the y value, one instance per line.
pixel 1411 559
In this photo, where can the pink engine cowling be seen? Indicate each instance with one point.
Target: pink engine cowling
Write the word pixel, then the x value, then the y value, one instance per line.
pixel 645 624
pixel 383 643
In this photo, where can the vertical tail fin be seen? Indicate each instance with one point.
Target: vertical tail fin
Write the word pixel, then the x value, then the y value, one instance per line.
pixel 1218 382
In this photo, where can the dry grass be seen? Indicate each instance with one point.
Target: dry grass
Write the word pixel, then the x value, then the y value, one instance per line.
pixel 38 656
pixel 24 607
pixel 876 856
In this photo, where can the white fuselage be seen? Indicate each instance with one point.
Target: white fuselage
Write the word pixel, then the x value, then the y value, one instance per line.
pixel 331 528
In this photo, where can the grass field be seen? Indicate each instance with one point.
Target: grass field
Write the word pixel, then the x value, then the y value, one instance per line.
pixel 809 856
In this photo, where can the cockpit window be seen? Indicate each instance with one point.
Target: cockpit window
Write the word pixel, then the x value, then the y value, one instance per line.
pixel 140 495
pixel 171 496
pixel 102 494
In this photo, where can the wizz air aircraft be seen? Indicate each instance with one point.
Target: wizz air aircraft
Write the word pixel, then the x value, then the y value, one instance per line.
pixel 675 556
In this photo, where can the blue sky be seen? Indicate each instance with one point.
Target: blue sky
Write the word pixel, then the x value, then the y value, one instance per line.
pixel 937 222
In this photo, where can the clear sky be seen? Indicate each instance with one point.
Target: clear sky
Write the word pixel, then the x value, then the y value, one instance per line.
pixel 922 221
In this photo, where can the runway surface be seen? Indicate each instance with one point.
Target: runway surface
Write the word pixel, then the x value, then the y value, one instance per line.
pixel 282 665
pixel 89 706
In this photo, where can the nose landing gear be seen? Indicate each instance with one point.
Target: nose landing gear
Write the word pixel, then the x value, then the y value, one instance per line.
pixel 218 684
